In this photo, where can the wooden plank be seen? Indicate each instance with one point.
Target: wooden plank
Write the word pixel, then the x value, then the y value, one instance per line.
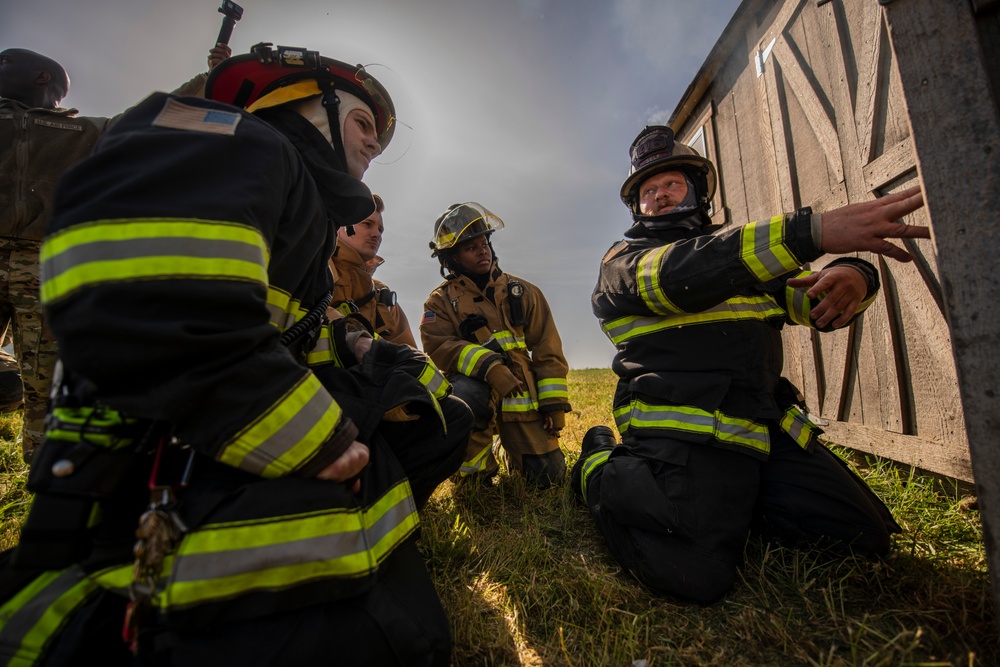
pixel 787 191
pixel 802 87
pixel 919 452
pixel 731 176
pixel 889 166
pixel 870 59
pixel 942 70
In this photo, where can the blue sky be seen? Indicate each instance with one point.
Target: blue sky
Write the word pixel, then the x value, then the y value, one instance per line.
pixel 526 106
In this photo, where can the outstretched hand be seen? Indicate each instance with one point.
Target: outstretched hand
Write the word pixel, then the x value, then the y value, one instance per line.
pixel 867 225
pixel 845 288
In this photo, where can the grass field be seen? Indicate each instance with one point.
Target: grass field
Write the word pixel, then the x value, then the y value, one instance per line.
pixel 526 580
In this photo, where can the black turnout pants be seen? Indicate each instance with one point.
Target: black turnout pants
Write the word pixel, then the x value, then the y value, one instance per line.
pixel 680 527
pixel 399 623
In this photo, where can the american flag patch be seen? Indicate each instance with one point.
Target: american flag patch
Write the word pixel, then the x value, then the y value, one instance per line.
pixel 428 318
pixel 180 116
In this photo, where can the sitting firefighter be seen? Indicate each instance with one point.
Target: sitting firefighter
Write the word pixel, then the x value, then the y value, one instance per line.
pixel 355 289
pixel 494 336
pixel 209 409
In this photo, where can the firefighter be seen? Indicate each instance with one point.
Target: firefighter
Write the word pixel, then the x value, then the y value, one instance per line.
pixel 494 336
pixel 715 443
pixel 214 486
pixel 354 262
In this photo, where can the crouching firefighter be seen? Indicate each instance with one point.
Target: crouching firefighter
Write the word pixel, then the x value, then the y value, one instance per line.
pixel 215 486
pixel 493 334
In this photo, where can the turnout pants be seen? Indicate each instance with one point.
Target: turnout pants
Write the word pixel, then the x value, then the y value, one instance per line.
pixel 399 622
pixel 680 527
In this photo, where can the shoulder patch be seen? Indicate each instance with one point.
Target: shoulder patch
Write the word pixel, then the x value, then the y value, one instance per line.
pixel 180 116
pixel 614 250
pixel 429 317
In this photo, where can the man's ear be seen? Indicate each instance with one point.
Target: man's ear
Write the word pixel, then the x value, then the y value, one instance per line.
pixel 43 77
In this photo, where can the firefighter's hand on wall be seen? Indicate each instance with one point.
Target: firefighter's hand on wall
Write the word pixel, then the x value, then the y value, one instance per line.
pixel 348 465
pixel 844 287
pixel 554 422
pixel 503 382
pixel 867 225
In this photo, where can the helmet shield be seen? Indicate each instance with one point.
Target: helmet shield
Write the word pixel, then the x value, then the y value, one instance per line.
pixel 285 72
pixel 653 151
pixel 462 222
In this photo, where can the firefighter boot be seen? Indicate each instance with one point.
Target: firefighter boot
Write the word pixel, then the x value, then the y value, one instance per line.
pixel 597 437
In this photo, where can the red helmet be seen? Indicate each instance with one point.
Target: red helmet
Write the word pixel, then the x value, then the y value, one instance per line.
pixel 286 74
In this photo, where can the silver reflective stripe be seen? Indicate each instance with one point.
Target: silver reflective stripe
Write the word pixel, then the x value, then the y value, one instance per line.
pixel 289 435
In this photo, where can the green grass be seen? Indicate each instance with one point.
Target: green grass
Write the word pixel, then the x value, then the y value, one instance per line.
pixel 526 580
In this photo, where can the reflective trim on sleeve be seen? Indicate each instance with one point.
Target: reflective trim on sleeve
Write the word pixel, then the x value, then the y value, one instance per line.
pixel 469 358
pixel 757 308
pixel 288 434
pixel 764 251
pixel 797 304
pixel 509 341
pixel 553 388
pixel 684 418
pixel 118 251
pixel 648 279
pixel 222 561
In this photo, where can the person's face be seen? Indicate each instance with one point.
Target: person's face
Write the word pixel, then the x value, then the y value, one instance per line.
pixel 661 193
pixel 367 236
pixel 360 142
pixel 474 255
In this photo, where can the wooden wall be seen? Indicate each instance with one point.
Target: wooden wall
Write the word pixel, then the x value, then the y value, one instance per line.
pixel 801 104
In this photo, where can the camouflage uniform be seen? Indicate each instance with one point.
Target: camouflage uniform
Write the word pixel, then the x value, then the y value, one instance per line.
pixel 10 377
pixel 39 146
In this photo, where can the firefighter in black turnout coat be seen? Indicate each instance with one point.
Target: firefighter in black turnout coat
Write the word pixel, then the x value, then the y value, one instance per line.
pixel 210 410
pixel 715 443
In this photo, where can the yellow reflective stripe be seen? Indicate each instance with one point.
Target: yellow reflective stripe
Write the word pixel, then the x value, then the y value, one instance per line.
pixel 436 383
pixel 797 425
pixel 722 427
pixel 476 464
pixel 553 388
pixel 763 250
pixel 797 304
pixel 288 434
pixel 283 309
pixel 221 561
pixel 324 351
pixel 469 358
pixel 593 462
pixel 32 617
pixel 508 341
pixel 648 279
pixel 756 308
pixel 107 251
pixel 520 402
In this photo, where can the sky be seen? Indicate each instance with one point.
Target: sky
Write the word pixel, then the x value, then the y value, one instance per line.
pixel 525 106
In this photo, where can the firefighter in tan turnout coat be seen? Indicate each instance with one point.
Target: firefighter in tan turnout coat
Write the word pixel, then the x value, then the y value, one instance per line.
pixel 493 335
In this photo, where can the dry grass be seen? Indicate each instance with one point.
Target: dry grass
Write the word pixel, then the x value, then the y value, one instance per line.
pixel 526 580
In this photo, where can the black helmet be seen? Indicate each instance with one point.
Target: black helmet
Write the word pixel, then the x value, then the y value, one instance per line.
pixel 268 77
pixel 462 222
pixel 653 151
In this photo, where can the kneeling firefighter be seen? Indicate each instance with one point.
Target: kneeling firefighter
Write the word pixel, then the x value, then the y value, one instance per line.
pixel 493 334
pixel 210 410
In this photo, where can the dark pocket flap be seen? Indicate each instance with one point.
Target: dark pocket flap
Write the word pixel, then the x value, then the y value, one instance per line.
pixel 704 391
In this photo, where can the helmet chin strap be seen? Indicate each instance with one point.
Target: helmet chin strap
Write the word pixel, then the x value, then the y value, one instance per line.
pixel 332 104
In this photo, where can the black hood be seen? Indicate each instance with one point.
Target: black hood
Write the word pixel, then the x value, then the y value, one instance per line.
pixel 348 201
